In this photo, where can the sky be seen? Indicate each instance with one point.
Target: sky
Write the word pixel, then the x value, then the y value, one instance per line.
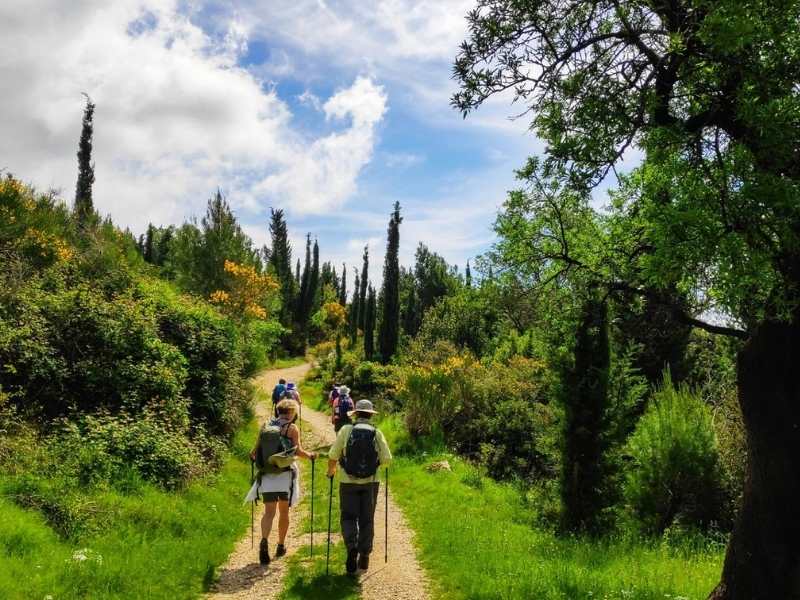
pixel 330 109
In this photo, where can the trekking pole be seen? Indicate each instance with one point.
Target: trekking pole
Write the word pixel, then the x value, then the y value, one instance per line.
pixel 386 522
pixel 312 505
pixel 252 506
pixel 330 512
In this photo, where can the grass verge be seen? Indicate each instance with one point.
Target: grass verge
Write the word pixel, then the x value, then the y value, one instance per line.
pixel 491 549
pixel 152 543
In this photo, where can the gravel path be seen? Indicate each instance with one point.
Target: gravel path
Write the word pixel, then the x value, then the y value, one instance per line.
pixel 401 578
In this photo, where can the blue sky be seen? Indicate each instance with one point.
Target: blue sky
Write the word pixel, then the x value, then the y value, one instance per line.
pixel 332 110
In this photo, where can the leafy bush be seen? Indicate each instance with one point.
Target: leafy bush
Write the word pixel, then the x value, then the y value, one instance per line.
pixel 498 414
pixel 261 338
pixel 675 474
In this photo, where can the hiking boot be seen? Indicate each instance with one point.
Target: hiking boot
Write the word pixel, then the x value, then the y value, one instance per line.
pixel 363 562
pixel 280 551
pixel 263 552
pixel 352 559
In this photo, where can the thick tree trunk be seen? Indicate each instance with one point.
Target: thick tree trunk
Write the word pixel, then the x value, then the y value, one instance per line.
pixel 763 557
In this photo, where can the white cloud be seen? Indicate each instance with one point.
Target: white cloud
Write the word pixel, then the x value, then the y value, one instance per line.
pixel 175 116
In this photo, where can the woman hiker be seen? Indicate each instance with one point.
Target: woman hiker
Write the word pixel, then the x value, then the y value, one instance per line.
pixel 277 482
pixel 361 449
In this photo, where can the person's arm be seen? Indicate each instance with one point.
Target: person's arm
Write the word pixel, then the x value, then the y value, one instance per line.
pixel 294 434
pixel 384 454
pixel 335 453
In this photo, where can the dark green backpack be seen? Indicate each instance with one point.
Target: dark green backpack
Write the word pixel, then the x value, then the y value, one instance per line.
pixel 273 439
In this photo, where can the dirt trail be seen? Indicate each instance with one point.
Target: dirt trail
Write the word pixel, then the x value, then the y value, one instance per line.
pixel 243 577
pixel 401 578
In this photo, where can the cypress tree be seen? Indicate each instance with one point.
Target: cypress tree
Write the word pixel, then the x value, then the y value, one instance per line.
pixel 84 205
pixel 369 325
pixel 303 301
pixel 468 276
pixel 313 283
pixel 297 273
pixel 343 286
pixel 280 263
pixel 585 402
pixel 390 321
pixel 164 245
pixel 149 244
pixel 362 295
pixel 355 311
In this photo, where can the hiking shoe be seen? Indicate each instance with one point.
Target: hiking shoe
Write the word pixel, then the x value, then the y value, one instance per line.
pixel 280 551
pixel 352 559
pixel 363 562
pixel 263 552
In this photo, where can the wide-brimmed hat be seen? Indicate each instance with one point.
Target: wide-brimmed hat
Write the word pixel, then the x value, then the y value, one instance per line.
pixel 344 390
pixel 363 406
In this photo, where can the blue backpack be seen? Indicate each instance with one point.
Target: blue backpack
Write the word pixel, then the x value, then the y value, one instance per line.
pixel 278 393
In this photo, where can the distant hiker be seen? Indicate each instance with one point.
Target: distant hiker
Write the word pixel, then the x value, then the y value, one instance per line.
pixel 361 449
pixel 277 395
pixel 277 484
pixel 334 394
pixel 292 393
pixel 342 406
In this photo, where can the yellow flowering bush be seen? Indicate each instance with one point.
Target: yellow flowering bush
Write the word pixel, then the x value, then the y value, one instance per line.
pixel 249 293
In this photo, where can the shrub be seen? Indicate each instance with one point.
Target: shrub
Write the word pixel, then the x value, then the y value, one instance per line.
pixel 675 475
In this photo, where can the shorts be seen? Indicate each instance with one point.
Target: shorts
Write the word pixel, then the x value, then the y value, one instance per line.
pixel 275 496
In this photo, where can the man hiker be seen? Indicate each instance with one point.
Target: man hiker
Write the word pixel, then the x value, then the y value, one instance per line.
pixel 277 395
pixel 361 449
pixel 277 446
pixel 342 407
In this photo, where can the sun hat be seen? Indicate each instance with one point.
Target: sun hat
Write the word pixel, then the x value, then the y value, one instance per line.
pixel 363 406
pixel 344 390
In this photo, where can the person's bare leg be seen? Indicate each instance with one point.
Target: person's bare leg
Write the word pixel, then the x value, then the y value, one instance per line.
pixel 267 518
pixel 283 520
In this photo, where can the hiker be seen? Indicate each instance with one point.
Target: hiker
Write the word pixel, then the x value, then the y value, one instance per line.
pixel 342 406
pixel 277 395
pixel 361 449
pixel 292 393
pixel 334 394
pixel 277 484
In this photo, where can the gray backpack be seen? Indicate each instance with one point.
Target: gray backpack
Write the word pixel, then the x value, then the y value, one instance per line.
pixel 274 451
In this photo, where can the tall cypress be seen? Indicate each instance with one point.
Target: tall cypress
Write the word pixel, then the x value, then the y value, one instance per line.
pixel 369 325
pixel 585 403
pixel 297 274
pixel 362 295
pixel 84 205
pixel 301 313
pixel 313 283
pixel 390 321
pixel 468 276
pixel 149 244
pixel 343 286
pixel 280 263
pixel 355 311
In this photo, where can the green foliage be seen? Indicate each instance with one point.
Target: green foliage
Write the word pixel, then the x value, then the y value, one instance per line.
pixel 467 319
pixel 675 475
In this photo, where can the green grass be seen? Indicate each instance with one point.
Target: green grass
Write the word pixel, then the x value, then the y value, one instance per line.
pixel 477 540
pixel 285 363
pixel 306 577
pixel 150 543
